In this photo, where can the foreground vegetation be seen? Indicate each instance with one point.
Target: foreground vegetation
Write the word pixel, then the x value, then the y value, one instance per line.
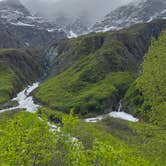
pixel 148 139
pixel 145 140
pixel 26 140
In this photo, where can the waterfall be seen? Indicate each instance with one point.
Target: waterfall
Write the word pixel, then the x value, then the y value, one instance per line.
pixel 115 114
pixel 24 100
pixel 120 106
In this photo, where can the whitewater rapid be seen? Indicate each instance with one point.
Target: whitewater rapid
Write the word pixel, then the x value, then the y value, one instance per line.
pixel 25 101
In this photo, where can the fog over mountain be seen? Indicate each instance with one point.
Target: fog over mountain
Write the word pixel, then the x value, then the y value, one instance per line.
pixel 91 9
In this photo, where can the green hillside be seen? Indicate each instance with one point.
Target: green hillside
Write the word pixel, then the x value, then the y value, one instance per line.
pixel 18 67
pixel 87 76
pixel 93 72
pixel 147 96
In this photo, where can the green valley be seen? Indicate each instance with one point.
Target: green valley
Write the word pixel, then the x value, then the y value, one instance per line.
pixel 93 75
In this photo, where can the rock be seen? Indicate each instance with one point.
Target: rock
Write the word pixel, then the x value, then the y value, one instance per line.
pixel 19 28
pixel 141 11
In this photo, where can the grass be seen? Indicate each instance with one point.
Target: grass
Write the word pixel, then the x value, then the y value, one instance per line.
pixel 95 82
pixel 147 95
pixel 148 139
pixel 18 67
pixel 138 139
pixel 7 77
pixel 83 76
pixel 6 116
pixel 86 133
pixel 68 91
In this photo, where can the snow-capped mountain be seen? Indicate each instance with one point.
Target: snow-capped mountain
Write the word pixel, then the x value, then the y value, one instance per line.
pixel 13 12
pixel 135 12
pixel 72 26
pixel 76 28
pixel 25 28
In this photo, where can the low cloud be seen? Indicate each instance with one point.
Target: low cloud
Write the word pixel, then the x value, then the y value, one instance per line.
pixel 91 9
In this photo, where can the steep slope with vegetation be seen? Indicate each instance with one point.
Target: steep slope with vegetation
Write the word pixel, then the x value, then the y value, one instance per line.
pixel 39 146
pixel 147 96
pixel 148 139
pixel 145 140
pixel 18 67
pixel 93 72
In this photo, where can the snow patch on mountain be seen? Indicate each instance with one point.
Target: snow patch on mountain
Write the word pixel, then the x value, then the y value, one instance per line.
pixel 140 11
pixel 13 12
pixel 19 23
pixel 72 35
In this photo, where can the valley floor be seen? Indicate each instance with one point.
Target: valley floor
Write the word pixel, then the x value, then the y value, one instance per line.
pixel 142 138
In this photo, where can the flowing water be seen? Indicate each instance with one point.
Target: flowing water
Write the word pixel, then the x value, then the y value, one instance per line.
pixel 25 100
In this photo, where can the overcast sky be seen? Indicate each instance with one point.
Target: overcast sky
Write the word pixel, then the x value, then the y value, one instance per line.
pixel 93 9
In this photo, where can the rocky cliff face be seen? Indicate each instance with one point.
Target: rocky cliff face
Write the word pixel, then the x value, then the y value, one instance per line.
pixel 19 28
pixel 140 11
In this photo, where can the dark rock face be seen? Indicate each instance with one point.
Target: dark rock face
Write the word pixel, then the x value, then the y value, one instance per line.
pixel 12 36
pixel 19 28
pixel 78 27
pixel 73 27
pixel 136 12
pixel 13 5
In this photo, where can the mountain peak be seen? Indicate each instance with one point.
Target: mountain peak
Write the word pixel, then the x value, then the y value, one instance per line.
pixel 13 5
pixel 141 11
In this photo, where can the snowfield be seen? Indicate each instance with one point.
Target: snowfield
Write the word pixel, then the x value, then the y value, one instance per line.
pixel 72 35
pixel 115 114
pixel 119 115
pixel 22 24
pixel 124 116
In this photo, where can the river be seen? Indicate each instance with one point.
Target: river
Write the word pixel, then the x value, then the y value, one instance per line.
pixel 25 101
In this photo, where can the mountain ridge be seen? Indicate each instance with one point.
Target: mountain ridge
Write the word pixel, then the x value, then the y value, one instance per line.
pixel 24 29
pixel 140 11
